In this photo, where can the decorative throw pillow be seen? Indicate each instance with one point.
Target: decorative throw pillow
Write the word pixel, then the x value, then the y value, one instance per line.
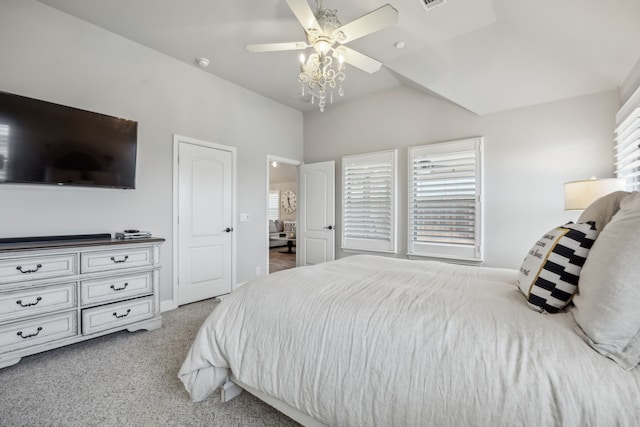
pixel 603 209
pixel 606 309
pixel 290 226
pixel 549 274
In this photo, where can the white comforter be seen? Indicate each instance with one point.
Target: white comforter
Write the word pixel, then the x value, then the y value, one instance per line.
pixel 374 341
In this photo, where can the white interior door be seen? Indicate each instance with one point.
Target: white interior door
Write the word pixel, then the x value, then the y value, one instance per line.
pixel 316 231
pixel 205 222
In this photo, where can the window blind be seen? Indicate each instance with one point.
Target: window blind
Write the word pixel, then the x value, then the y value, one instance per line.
pixel 274 205
pixel 369 202
pixel 445 202
pixel 627 150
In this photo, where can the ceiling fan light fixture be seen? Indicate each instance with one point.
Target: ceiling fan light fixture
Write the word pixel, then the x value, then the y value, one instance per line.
pixel 322 46
pixel 322 70
pixel 320 75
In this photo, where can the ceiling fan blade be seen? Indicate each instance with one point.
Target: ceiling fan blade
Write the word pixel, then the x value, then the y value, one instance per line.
pixel 303 12
pixel 380 18
pixel 357 59
pixel 275 47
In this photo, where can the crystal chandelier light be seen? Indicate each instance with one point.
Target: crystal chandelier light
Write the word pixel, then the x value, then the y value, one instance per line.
pixel 323 70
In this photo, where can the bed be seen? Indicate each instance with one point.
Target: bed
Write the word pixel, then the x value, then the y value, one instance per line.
pixel 377 341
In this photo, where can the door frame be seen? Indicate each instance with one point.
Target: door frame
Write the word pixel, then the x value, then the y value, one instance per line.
pixel 284 161
pixel 177 140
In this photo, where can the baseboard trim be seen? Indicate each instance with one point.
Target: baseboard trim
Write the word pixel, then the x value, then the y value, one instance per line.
pixel 238 285
pixel 168 305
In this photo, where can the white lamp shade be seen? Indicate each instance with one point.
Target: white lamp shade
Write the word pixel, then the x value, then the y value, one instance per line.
pixel 580 194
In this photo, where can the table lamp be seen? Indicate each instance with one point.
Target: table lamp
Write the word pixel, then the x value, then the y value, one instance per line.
pixel 579 194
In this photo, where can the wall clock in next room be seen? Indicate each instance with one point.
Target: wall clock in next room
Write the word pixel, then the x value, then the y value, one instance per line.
pixel 288 201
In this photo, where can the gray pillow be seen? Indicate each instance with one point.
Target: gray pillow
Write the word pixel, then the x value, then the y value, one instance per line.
pixel 606 312
pixel 272 226
pixel 603 209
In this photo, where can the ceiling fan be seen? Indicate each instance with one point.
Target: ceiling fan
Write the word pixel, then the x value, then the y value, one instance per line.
pixel 324 31
pixel 326 34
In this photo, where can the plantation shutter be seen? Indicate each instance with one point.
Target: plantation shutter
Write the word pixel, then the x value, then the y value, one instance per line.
pixel 369 202
pixel 274 205
pixel 627 150
pixel 445 209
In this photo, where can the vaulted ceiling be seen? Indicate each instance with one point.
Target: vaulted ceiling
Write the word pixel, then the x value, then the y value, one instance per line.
pixel 484 55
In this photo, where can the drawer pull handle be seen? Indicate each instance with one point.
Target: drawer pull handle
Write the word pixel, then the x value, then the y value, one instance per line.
pixel 120 261
pixel 119 316
pixel 119 289
pixel 19 268
pixel 31 335
pixel 29 304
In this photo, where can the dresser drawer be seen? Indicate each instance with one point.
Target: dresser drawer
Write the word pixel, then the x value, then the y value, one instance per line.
pixel 118 314
pixel 33 301
pixel 115 259
pixel 115 288
pixel 31 332
pixel 37 267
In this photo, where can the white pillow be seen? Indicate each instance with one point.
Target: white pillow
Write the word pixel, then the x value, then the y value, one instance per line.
pixel 607 305
pixel 603 209
pixel 549 274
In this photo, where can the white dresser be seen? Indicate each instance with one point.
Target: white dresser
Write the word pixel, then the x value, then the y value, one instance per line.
pixel 58 292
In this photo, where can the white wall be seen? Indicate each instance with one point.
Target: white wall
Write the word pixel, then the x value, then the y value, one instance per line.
pixel 529 154
pixel 630 84
pixel 52 56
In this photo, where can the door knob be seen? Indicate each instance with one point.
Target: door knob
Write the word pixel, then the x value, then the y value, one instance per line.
pixel 329 227
pixel 228 230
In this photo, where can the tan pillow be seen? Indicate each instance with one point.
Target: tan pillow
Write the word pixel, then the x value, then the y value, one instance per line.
pixel 607 305
pixel 603 209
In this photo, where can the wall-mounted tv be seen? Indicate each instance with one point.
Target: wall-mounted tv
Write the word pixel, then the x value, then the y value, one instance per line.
pixel 46 143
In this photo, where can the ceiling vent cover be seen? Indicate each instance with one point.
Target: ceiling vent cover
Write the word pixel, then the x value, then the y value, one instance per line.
pixel 431 4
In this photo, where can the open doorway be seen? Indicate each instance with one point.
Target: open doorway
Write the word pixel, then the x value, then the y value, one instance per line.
pixel 282 213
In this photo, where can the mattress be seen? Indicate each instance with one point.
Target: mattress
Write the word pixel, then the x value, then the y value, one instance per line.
pixel 376 341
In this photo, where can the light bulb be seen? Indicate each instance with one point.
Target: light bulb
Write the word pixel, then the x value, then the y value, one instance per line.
pixel 302 58
pixel 322 46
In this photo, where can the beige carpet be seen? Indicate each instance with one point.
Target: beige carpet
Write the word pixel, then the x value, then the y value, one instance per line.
pixel 124 379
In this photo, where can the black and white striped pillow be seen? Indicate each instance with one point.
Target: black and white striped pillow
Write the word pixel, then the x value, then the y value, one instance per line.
pixel 549 273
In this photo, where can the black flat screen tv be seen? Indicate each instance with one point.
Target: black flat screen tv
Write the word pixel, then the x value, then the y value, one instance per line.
pixel 46 143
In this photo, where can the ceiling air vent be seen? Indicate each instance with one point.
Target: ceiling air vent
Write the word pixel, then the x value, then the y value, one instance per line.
pixel 431 4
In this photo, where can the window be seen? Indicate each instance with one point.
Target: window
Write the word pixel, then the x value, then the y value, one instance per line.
pixel 627 149
pixel 274 205
pixel 369 202
pixel 445 200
